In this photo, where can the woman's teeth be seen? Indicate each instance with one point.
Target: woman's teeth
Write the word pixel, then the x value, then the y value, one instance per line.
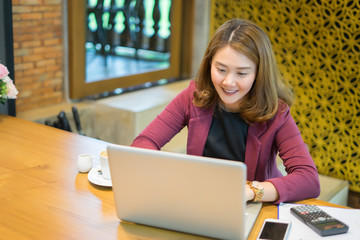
pixel 228 91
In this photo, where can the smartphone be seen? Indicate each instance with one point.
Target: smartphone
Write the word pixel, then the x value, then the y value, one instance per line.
pixel 274 229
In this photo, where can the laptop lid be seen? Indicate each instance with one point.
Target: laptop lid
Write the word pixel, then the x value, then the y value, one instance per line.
pixel 186 193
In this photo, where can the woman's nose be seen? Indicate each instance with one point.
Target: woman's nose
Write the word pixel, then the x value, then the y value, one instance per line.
pixel 229 80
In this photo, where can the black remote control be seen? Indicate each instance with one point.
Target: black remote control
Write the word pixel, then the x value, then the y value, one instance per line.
pixel 319 221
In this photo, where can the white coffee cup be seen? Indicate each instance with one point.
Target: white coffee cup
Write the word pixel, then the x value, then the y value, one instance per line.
pixel 104 164
pixel 84 162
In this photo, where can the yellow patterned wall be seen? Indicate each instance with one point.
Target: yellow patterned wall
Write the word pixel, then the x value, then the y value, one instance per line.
pixel 317 45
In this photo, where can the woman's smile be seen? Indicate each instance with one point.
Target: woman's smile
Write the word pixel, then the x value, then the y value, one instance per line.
pixel 230 91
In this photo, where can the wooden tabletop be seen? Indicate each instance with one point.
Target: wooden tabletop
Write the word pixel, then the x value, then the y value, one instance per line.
pixel 42 195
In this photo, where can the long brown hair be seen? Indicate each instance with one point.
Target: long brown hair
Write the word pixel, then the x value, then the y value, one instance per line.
pixel 262 100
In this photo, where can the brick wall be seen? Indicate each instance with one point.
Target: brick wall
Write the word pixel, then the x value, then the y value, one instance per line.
pixel 38 53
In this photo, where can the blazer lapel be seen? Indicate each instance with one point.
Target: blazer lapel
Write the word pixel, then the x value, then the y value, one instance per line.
pixel 253 148
pixel 198 130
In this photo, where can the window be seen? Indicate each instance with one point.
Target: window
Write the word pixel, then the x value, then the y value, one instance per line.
pixel 115 44
pixel 6 51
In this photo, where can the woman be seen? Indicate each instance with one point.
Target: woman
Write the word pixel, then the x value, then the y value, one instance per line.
pixel 238 108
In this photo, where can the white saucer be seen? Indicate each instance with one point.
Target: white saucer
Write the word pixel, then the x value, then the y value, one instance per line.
pixel 95 176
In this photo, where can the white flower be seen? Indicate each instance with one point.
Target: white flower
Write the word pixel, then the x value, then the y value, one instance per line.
pixel 3 71
pixel 11 89
pixel 7 87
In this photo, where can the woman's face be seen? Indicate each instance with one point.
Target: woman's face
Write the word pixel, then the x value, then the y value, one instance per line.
pixel 233 75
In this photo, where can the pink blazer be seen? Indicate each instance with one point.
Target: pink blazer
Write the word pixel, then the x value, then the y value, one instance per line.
pixel 264 142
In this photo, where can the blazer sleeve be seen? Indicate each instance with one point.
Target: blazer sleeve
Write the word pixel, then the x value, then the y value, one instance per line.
pixel 302 180
pixel 168 123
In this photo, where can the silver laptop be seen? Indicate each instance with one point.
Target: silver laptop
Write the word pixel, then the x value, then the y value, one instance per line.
pixel 192 194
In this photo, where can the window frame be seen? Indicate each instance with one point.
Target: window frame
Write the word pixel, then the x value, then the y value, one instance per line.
pixel 179 62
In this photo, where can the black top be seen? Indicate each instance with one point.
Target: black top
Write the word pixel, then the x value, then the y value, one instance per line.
pixel 227 136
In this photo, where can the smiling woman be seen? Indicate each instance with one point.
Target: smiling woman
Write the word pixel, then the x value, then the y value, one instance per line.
pixel 245 44
pixel 238 108
pixel 232 75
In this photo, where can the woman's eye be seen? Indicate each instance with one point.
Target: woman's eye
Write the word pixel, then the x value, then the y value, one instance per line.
pixel 221 70
pixel 242 73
